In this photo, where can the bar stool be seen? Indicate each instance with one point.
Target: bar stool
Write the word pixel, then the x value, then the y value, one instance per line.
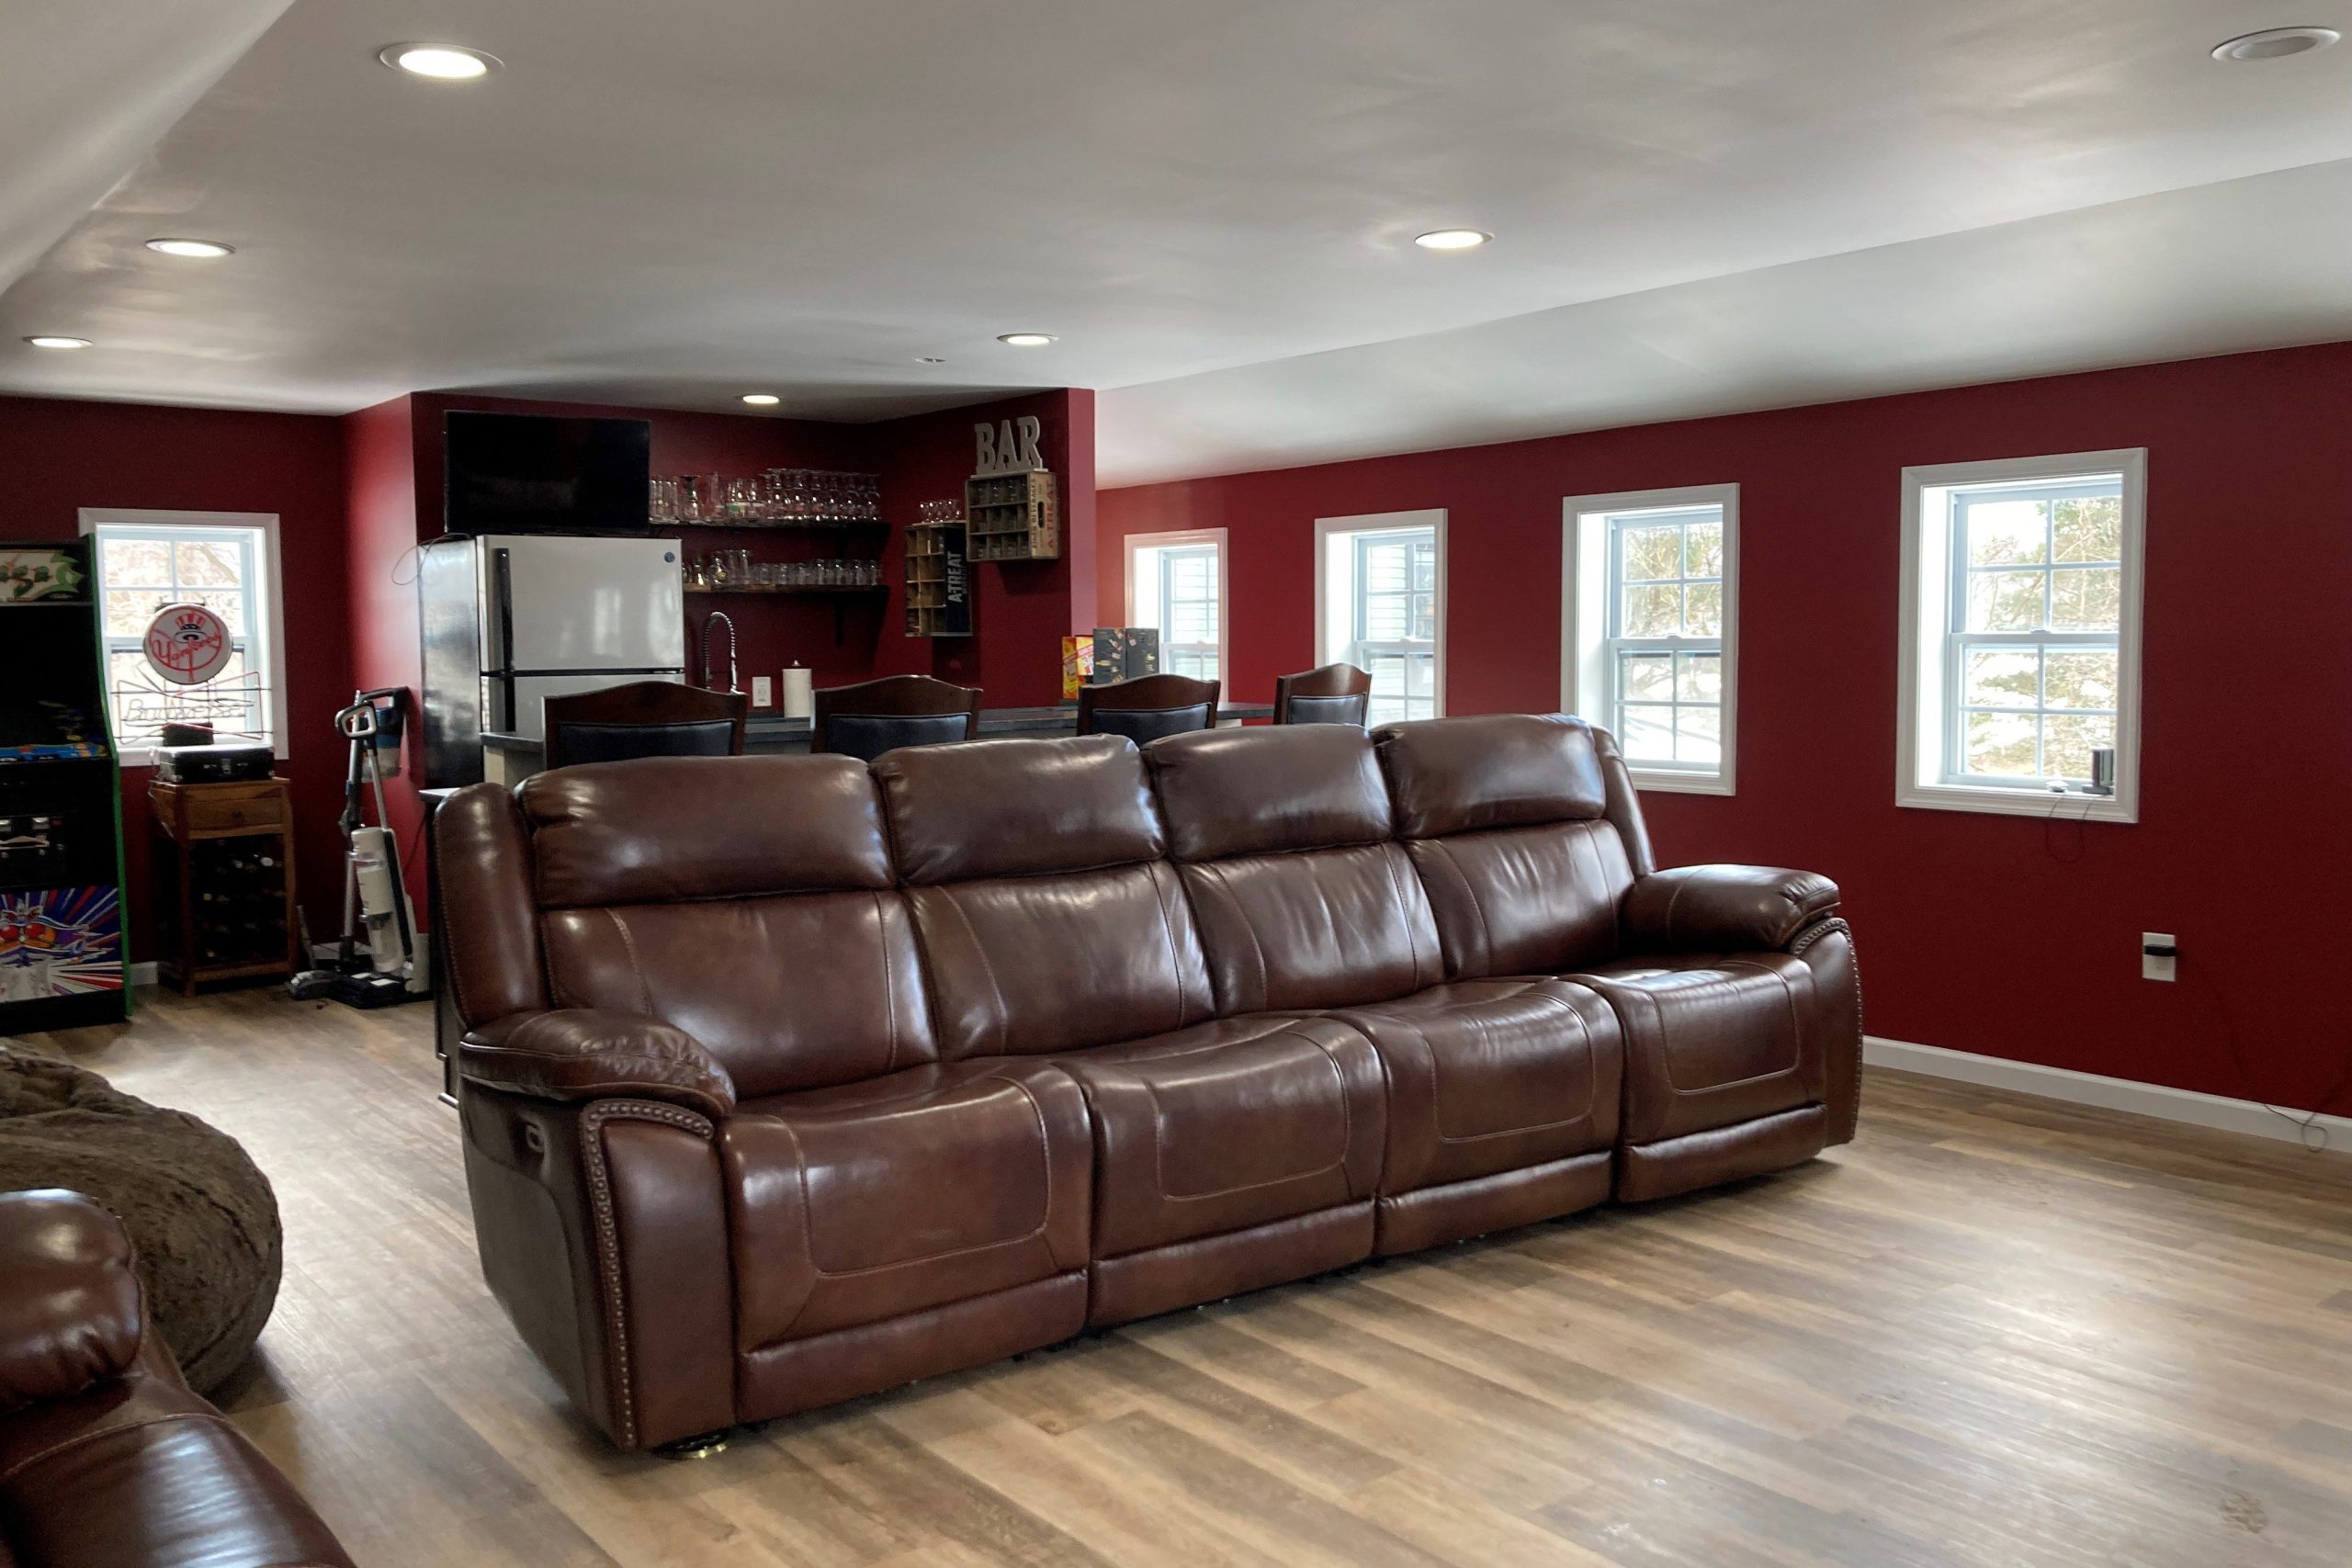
pixel 643 718
pixel 1148 707
pixel 1336 693
pixel 874 716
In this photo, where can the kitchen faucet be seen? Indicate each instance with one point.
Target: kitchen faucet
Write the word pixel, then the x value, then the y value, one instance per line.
pixel 718 617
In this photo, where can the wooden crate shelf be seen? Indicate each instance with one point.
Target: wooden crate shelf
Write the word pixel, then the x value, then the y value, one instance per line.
pixel 939 592
pixel 1014 516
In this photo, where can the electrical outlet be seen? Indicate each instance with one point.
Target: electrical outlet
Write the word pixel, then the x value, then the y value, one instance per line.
pixel 763 692
pixel 2159 955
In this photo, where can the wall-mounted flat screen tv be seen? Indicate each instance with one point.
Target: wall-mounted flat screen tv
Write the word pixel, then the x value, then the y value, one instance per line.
pixel 521 473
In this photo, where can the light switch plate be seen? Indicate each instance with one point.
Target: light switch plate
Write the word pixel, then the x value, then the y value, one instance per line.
pixel 763 692
pixel 2152 967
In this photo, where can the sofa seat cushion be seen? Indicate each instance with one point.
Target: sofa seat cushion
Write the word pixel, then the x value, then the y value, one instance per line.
pixel 1712 1039
pixel 868 1201
pixel 1227 1125
pixel 1491 1076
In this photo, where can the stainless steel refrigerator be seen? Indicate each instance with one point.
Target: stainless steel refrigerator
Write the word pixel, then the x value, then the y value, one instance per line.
pixel 511 620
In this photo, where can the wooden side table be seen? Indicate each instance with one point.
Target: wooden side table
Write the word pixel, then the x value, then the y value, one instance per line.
pixel 225 882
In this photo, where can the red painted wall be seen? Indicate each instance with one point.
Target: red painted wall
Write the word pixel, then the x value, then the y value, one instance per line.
pixel 1021 610
pixel 1995 934
pixel 62 456
pixel 379 504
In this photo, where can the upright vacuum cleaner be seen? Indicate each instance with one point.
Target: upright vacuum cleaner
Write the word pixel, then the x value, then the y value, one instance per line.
pixel 376 915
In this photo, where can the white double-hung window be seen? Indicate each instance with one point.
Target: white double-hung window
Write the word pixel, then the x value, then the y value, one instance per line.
pixel 1176 585
pixel 1380 605
pixel 2021 646
pixel 226 561
pixel 1649 613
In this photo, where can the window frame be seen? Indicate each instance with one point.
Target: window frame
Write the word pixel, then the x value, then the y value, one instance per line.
pixel 266 640
pixel 1338 605
pixel 1589 649
pixel 1933 635
pixel 1180 539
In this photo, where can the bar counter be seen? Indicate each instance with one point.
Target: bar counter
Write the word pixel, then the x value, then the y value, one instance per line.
pixel 508 757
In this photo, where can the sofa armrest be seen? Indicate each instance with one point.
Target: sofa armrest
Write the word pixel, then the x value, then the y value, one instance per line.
pixel 583 1054
pixel 1692 907
pixel 70 1314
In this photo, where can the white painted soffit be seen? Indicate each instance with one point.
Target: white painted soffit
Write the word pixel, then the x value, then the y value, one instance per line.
pixel 87 89
pixel 2250 264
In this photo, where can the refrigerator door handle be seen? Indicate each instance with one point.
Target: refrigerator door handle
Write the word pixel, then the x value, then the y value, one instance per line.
pixel 501 577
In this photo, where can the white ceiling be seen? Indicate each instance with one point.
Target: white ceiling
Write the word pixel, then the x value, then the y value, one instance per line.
pixel 1211 201
pixel 86 87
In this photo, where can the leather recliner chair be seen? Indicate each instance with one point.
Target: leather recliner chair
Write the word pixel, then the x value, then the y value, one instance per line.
pixel 789 1078
pixel 105 1456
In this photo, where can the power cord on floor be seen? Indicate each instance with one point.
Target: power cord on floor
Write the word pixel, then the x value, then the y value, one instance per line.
pixel 2311 1128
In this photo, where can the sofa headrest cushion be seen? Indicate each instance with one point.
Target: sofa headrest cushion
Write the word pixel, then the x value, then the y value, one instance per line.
pixel 1262 791
pixel 670 829
pixel 1501 770
pixel 1017 808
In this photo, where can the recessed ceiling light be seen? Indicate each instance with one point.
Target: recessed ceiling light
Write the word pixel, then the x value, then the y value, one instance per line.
pixel 762 400
pixel 200 249
pixel 439 61
pixel 930 359
pixel 1026 339
pixel 2276 43
pixel 46 341
pixel 1451 239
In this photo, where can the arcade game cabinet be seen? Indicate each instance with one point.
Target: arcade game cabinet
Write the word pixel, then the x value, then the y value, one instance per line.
pixel 62 953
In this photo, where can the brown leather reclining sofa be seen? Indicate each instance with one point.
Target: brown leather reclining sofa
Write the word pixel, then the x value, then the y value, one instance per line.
pixel 792 1078
pixel 106 1459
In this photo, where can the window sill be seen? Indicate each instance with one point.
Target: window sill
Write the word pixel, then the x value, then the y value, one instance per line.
pixel 2020 803
pixel 1667 781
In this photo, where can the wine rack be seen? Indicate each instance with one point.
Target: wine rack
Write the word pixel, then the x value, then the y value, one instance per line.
pixel 225 882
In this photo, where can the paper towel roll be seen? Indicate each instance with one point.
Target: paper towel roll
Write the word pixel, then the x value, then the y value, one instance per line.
pixel 799 701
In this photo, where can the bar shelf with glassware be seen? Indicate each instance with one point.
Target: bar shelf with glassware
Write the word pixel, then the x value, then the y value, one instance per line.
pixel 770 590
pixel 777 524
pixel 734 570
pixel 810 499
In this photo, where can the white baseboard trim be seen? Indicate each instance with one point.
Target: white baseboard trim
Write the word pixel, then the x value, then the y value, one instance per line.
pixel 2213 1111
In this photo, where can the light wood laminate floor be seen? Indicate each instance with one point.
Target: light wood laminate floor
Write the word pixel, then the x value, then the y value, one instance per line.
pixel 1993 1331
